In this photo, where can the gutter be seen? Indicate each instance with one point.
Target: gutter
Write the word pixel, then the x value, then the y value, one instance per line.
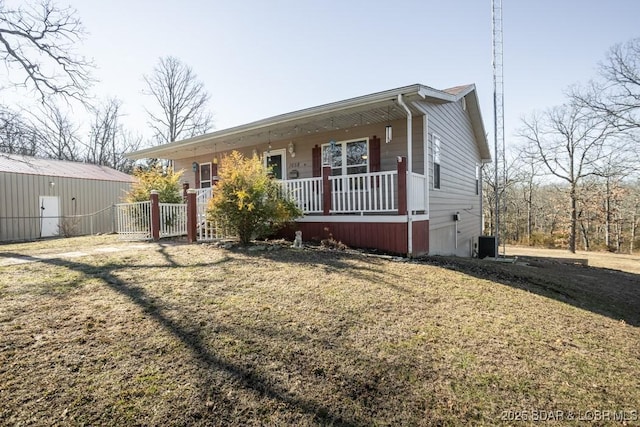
pixel 409 175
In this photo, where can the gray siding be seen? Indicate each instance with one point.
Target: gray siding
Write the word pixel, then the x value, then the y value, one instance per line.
pixel 20 210
pixel 459 156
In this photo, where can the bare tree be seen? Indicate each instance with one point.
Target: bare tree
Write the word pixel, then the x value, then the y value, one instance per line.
pixel 528 175
pixel 182 101
pixel 104 127
pixel 16 136
pixel 108 141
pixel 55 134
pixel 632 207
pixel 489 185
pixel 570 141
pixel 36 43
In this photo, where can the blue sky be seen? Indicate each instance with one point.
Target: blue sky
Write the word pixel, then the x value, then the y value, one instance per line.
pixel 262 58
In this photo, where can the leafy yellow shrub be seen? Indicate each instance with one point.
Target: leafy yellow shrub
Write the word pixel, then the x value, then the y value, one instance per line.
pixel 166 182
pixel 248 201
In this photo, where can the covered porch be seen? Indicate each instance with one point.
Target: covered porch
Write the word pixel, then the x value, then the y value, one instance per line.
pixel 363 194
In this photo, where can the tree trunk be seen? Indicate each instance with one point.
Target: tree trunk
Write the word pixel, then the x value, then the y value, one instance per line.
pixel 607 207
pixel 633 232
pixel 585 236
pixel 574 219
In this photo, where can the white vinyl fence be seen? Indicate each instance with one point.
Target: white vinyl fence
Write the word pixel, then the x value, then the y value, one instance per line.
pixel 173 219
pixel 133 220
pixel 209 229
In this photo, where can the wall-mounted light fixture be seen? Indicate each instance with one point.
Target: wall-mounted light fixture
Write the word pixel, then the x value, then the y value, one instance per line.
pixel 292 149
pixel 215 160
pixel 388 129
pixel 52 184
pixel 194 166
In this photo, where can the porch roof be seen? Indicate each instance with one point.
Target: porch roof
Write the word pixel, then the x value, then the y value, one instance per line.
pixel 373 108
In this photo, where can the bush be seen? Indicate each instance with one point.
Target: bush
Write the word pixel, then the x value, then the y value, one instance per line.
pixel 166 182
pixel 249 202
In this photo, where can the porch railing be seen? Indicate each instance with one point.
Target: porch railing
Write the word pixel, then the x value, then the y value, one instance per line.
pixel 418 183
pixel 374 192
pixel 306 192
pixel 367 192
pixel 203 195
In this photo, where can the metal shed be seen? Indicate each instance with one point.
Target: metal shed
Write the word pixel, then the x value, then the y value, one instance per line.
pixel 44 197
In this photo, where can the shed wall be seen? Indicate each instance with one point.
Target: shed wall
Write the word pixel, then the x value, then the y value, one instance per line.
pixel 20 210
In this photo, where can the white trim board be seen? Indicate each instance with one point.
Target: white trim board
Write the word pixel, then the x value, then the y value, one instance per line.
pixel 362 218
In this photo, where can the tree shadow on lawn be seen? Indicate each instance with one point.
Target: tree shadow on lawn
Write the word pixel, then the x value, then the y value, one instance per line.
pixel 333 261
pixel 193 339
pixel 611 293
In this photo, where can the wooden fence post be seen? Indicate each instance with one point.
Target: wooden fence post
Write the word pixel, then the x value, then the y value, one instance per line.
pixel 402 185
pixel 155 216
pixel 192 216
pixel 326 190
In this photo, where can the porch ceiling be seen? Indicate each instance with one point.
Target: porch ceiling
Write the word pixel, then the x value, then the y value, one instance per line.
pixel 374 108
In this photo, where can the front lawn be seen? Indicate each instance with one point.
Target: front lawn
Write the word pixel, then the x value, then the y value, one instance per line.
pixel 196 335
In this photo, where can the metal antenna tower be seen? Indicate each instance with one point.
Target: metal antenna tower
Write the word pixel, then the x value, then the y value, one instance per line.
pixel 498 113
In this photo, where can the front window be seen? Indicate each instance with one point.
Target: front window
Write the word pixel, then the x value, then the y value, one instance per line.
pixel 347 157
pixel 436 162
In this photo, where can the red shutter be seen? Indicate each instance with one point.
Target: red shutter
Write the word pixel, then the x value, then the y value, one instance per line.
pixel 374 154
pixel 374 157
pixel 214 174
pixel 316 160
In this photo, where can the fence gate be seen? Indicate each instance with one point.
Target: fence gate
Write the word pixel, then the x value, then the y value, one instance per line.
pixel 173 219
pixel 133 220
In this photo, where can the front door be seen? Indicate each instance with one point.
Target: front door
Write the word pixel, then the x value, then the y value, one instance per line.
pixel 275 161
pixel 205 175
pixel 49 216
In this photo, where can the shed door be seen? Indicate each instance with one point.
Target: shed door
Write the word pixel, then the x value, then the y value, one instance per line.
pixel 49 216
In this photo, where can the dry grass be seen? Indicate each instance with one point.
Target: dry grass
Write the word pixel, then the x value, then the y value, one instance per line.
pixel 622 262
pixel 195 335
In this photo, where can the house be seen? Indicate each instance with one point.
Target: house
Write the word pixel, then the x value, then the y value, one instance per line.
pixel 44 197
pixel 397 170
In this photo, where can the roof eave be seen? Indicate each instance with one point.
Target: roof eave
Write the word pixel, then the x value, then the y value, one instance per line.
pixel 417 90
pixel 478 127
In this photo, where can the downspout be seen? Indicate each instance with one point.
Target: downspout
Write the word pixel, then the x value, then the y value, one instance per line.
pixel 425 142
pixel 409 175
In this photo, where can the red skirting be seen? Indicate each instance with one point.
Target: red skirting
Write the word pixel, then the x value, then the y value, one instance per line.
pixel 385 236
